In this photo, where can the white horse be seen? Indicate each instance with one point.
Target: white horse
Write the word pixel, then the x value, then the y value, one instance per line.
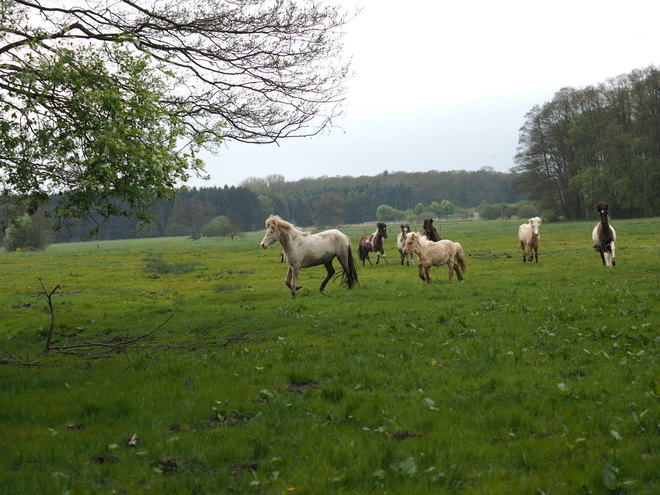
pixel 444 252
pixel 400 241
pixel 604 236
pixel 303 250
pixel 528 235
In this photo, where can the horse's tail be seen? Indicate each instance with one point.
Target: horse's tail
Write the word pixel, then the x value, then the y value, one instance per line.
pixel 362 253
pixel 460 257
pixel 349 275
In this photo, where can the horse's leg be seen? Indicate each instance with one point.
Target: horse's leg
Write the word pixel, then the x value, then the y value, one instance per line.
pixel 291 281
pixel 536 254
pixel 613 254
pixel 382 253
pixel 420 268
pixel 450 265
pixel 331 272
pixel 458 271
pixel 369 260
pixel 428 273
pixel 524 250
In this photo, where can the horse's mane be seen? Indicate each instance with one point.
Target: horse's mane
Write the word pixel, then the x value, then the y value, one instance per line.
pixel 417 237
pixel 380 225
pixel 282 225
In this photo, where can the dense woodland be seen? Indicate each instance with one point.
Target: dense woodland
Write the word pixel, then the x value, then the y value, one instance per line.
pixel 322 202
pixel 599 143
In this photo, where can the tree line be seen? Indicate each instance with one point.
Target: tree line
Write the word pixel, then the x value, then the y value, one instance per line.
pixel 599 143
pixel 322 202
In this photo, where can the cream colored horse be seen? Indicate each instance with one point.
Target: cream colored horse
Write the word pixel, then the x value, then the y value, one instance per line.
pixel 303 250
pixel 444 252
pixel 529 237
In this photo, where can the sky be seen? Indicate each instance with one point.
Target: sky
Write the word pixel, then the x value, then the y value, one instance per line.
pixel 446 85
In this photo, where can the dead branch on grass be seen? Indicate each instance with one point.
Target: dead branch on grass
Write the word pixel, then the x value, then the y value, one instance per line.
pixel 111 346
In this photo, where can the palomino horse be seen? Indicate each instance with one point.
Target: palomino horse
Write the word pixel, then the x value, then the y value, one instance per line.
pixel 439 253
pixel 303 250
pixel 604 236
pixel 528 237
pixel 430 232
pixel 400 241
pixel 373 243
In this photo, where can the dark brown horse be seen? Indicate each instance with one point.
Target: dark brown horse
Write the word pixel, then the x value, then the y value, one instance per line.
pixel 430 232
pixel 373 243
pixel 604 236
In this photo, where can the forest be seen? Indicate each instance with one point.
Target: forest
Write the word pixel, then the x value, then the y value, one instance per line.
pixel 598 143
pixel 320 202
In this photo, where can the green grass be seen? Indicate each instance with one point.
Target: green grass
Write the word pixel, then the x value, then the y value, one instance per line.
pixel 523 378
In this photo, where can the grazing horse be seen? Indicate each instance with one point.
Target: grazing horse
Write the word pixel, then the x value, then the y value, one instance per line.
pixel 604 236
pixel 303 250
pixel 373 243
pixel 528 235
pixel 430 232
pixel 400 241
pixel 439 253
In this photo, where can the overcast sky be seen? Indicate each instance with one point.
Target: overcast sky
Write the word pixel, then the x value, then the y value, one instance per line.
pixel 446 85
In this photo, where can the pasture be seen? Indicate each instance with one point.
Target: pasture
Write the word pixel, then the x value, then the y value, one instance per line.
pixel 523 378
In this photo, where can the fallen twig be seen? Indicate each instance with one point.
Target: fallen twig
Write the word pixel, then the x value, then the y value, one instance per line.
pixel 114 346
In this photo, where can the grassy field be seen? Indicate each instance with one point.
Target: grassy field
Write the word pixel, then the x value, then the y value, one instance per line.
pixel 524 378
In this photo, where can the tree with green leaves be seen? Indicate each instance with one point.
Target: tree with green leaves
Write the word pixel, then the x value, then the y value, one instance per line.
pixel 103 102
pixel 221 226
pixel 328 210
pixel 26 233
pixel 599 143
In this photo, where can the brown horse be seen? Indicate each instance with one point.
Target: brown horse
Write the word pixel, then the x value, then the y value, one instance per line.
pixel 373 243
pixel 430 232
pixel 604 236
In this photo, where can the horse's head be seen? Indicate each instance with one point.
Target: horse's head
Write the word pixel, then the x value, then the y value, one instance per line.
pixel 273 227
pixel 405 229
pixel 412 241
pixel 535 223
pixel 382 229
pixel 602 207
pixel 603 210
pixel 428 227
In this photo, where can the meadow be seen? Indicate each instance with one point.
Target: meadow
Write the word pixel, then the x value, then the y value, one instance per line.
pixel 180 366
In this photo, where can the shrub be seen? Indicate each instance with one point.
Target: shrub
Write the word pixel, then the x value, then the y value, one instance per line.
pixel 528 211
pixel 25 234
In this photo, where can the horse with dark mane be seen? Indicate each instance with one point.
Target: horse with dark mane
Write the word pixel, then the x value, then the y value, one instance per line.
pixel 302 250
pixel 373 243
pixel 400 242
pixel 604 236
pixel 430 232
